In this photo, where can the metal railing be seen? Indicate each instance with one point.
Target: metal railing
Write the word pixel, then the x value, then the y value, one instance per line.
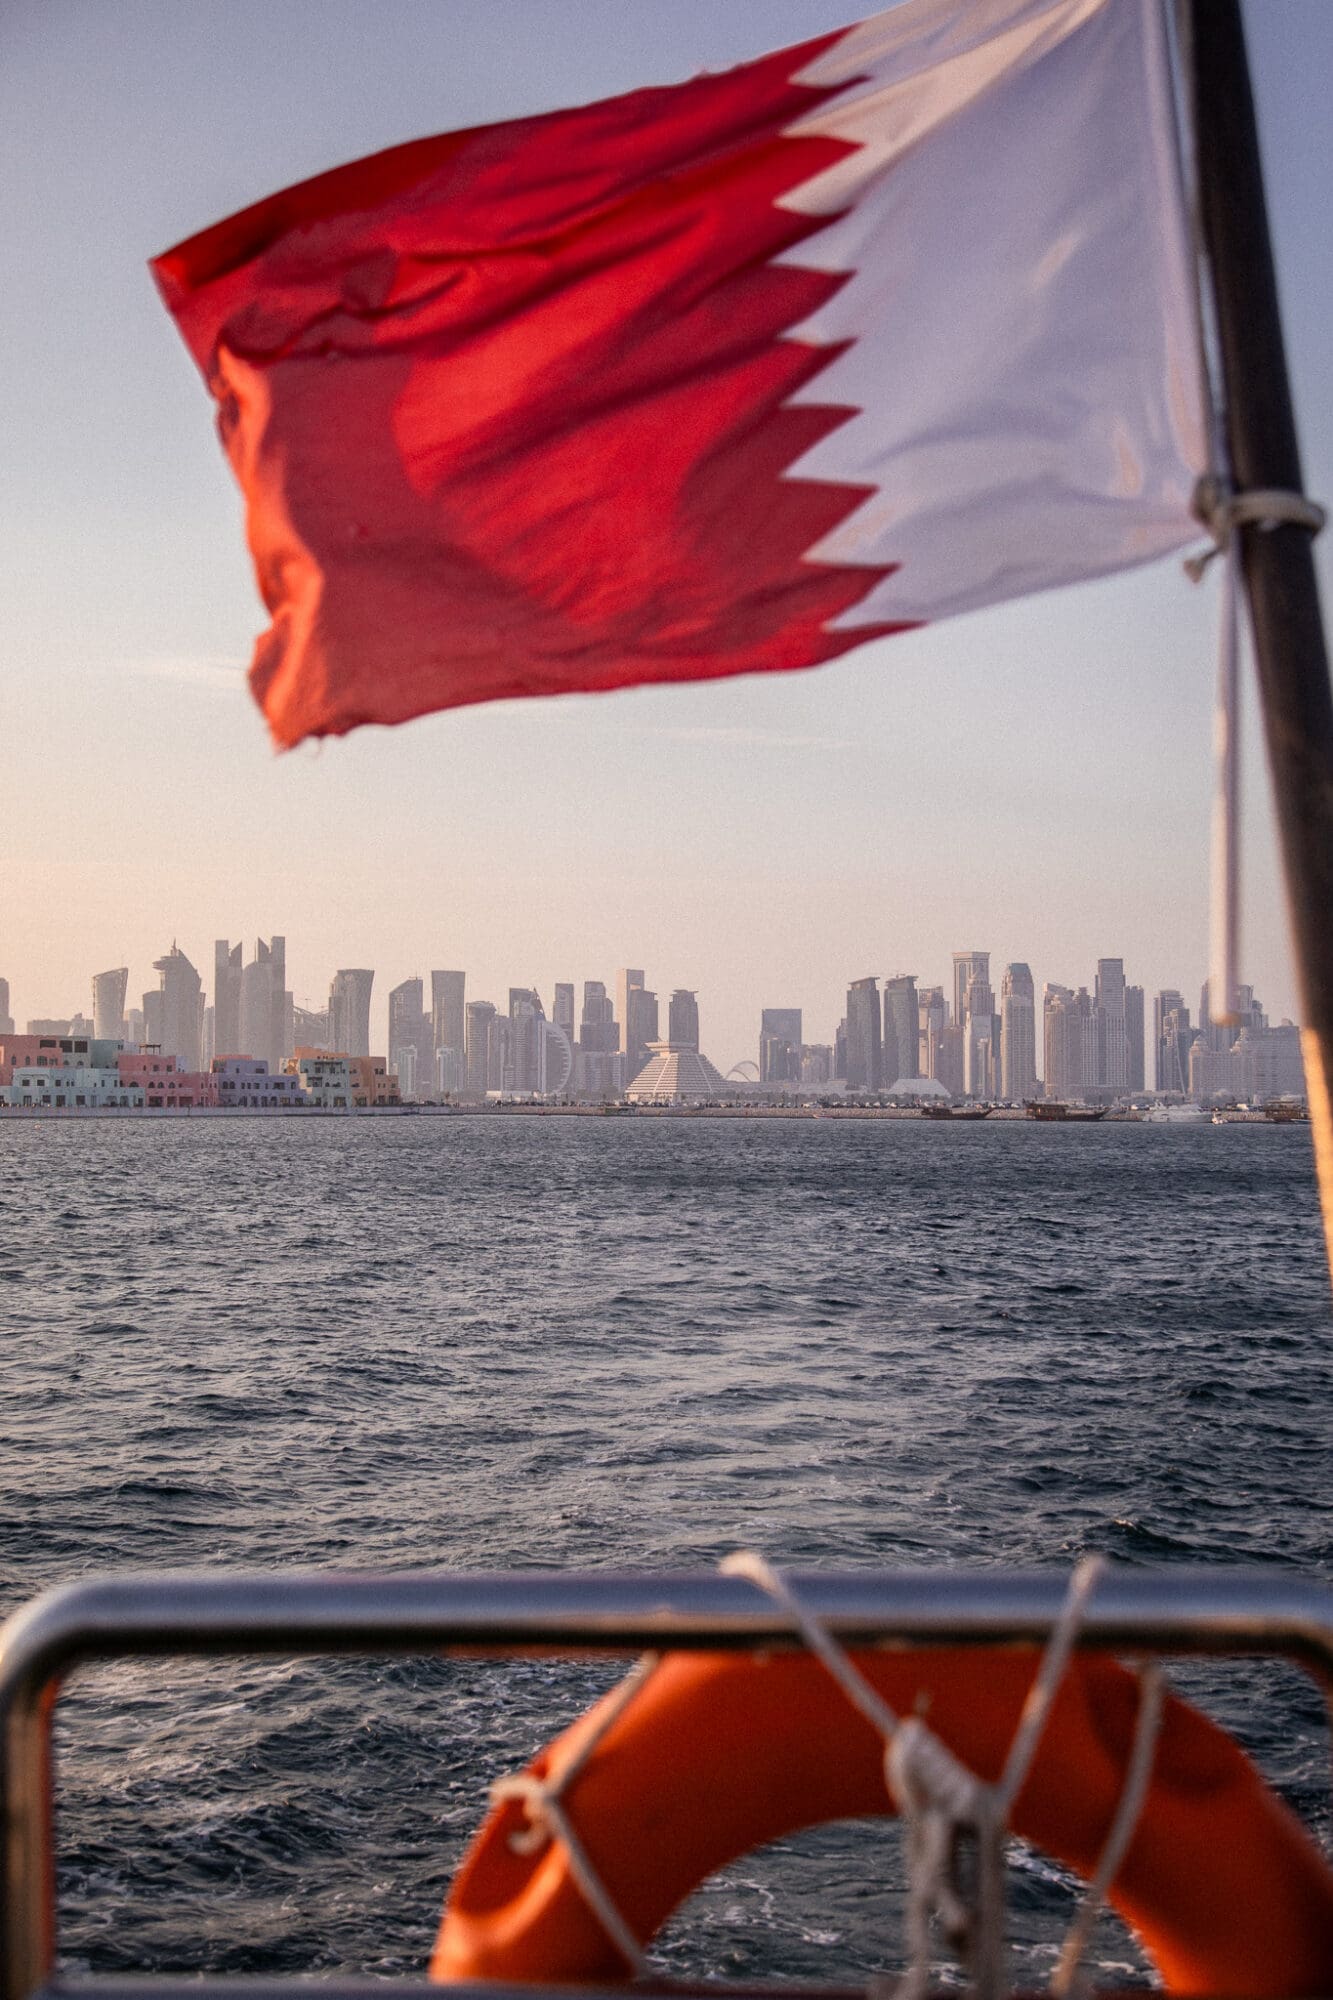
pixel 220 1613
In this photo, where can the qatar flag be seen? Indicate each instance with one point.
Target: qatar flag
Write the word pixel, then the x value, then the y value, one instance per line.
pixel 715 378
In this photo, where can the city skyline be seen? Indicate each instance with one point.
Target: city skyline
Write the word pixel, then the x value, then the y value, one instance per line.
pixel 984 1037
pixel 1037 776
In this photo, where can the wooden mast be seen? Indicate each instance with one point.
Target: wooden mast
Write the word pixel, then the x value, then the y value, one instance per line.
pixel 1277 562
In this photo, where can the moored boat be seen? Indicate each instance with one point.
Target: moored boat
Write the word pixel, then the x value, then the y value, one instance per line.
pixel 1050 1109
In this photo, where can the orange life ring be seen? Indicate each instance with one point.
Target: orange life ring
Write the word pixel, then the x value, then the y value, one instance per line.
pixel 718 1753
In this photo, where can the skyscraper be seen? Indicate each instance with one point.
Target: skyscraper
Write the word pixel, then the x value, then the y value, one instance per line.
pixel 1134 1025
pixel 557 1057
pixel 1018 1034
pixel 950 1059
pixel 598 1031
pixel 1172 1036
pixel 1069 1033
pixel 979 1024
pixel 349 1012
pixel 527 1035
pixel 816 1065
pixel 780 1045
pixel 639 1029
pixel 6 1018
pixel 266 1007
pixel 179 1008
pixel 1168 1002
pixel 448 1026
pixel 628 979
pixel 499 1068
pixel 1249 1011
pixel 1218 1035
pixel 227 999
pixel 109 1004
pixel 967 967
pixel 683 1019
pixel 409 1038
pixel 902 1029
pixel 981 1053
pixel 479 1019
pixel 1112 1036
pixel 562 1011
pixel 864 1037
pixel 932 1012
pixel 284 1005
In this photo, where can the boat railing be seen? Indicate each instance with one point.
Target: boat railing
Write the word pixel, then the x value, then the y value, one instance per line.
pixel 1133 1613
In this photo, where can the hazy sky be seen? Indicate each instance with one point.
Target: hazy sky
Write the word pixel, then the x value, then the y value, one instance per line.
pixel 1032 780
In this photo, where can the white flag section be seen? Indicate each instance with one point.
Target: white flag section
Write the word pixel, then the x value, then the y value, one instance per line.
pixel 1022 309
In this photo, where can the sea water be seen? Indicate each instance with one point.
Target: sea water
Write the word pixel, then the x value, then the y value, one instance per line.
pixel 498 1342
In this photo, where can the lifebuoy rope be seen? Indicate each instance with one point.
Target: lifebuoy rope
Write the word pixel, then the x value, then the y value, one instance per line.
pixel 1138 1776
pixel 945 1806
pixel 543 1800
pixel 940 1799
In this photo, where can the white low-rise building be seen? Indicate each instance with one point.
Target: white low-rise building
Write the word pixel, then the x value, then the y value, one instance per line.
pixel 246 1083
pixel 72 1087
pixel 326 1082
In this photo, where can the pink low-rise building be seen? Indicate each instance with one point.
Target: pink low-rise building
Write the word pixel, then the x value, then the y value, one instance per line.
pixel 164 1086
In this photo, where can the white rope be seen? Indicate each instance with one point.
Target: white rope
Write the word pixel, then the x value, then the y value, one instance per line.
pixel 1041 1695
pixel 543 1800
pixel 941 1802
pixel 944 1804
pixel 746 1563
pixel 1138 1776
pixel 1223 511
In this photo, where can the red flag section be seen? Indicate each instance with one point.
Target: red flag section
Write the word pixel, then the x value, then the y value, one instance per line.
pixel 510 407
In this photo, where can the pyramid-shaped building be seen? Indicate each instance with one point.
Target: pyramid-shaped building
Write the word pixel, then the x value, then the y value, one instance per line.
pixel 676 1074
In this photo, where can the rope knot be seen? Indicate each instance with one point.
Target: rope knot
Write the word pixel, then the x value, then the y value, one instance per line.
pixel 533 1795
pixel 923 1775
pixel 955 1836
pixel 1222 511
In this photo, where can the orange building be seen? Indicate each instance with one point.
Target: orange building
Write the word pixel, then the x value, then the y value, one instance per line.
pixel 369 1078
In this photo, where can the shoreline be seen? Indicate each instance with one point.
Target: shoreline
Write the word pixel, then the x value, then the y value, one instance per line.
pixel 810 1113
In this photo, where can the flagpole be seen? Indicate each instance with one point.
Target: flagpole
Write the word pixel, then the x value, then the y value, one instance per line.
pixel 1276 560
